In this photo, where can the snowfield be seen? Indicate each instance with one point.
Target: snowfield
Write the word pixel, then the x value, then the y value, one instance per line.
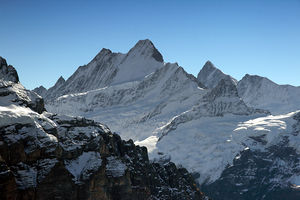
pixel 203 123
pixel 209 144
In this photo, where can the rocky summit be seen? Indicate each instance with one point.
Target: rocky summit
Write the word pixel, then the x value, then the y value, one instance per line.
pixel 8 72
pixel 50 156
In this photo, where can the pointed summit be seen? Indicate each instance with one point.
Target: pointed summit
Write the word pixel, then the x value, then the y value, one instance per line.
pixel 105 51
pixel 140 61
pixel 8 72
pixel 109 68
pixel 60 81
pixel 40 91
pixel 251 84
pixel 210 76
pixel 102 53
pixel 146 48
pixel 2 61
pixel 146 42
pixel 56 89
pixel 255 79
pixel 261 92
pixel 209 65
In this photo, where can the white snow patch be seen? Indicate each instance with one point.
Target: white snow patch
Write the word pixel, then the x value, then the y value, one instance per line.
pixel 295 181
pixel 12 115
pixel 82 167
pixel 21 115
pixel 149 142
pixel 208 144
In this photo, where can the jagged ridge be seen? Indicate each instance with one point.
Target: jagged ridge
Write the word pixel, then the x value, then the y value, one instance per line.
pixel 46 156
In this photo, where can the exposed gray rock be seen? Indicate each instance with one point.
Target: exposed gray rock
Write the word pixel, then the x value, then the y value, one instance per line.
pixel 40 91
pixel 146 47
pixel 12 92
pixel 259 175
pixel 8 72
pixel 210 76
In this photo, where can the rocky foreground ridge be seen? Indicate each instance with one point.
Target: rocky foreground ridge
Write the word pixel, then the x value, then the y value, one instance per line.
pixel 50 156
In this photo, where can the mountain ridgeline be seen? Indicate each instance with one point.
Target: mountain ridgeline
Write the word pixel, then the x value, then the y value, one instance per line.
pixel 51 156
pixel 108 68
pixel 238 138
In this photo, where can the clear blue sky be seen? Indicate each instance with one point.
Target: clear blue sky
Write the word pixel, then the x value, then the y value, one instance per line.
pixel 47 39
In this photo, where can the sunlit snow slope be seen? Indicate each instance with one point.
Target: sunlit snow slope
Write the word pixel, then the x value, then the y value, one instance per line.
pixel 202 123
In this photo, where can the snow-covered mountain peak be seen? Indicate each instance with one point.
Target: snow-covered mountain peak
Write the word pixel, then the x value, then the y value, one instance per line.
pixel 105 55
pixel 2 61
pixel 104 52
pixel 146 48
pixel 108 68
pixel 8 72
pixel 140 61
pixel 255 79
pixel 13 93
pixel 60 81
pixel 249 83
pixel 40 90
pixel 210 76
pixel 209 66
pixel 260 92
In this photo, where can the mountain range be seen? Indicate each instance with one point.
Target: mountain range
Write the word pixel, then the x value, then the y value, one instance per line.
pixel 51 156
pixel 239 138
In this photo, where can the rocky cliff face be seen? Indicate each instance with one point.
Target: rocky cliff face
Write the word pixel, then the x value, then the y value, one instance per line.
pixel 210 76
pixel 50 156
pixel 75 158
pixel 269 175
pixel 12 92
pixel 8 72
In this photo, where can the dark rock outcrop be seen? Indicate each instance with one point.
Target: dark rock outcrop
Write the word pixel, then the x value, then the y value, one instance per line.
pixel 272 174
pixel 12 92
pixel 81 159
pixel 259 175
pixel 8 72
